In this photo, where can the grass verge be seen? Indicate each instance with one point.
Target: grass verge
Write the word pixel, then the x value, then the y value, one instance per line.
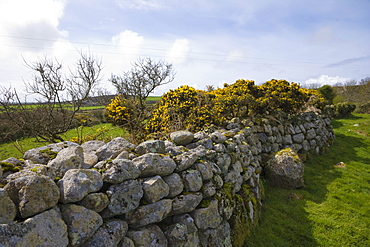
pixel 103 132
pixel 332 209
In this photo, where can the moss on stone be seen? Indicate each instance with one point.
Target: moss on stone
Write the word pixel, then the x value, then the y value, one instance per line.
pixel 48 153
pixel 9 167
pixel 289 152
pixel 204 203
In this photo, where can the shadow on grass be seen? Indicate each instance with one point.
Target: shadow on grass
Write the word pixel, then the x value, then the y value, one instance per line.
pixel 285 220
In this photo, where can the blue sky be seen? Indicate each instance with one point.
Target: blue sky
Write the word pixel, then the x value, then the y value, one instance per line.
pixel 209 42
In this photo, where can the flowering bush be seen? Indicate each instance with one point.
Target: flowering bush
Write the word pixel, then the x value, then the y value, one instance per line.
pixel 235 100
pixel 280 95
pixel 181 108
pixel 119 112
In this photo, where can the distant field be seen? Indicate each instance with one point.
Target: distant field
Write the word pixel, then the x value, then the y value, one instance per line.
pixel 16 149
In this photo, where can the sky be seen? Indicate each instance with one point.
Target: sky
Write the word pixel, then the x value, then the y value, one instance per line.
pixel 209 42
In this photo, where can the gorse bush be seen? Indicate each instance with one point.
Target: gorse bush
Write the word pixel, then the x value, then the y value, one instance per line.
pixel 339 110
pixel 280 95
pixel 182 108
pixel 191 109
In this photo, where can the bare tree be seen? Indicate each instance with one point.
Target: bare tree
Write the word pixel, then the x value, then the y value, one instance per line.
pixel 135 85
pixel 52 115
pixel 145 76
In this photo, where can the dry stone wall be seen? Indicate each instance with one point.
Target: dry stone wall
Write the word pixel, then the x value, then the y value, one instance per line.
pixel 198 189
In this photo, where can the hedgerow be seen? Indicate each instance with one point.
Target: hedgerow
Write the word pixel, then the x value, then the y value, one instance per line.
pixel 191 109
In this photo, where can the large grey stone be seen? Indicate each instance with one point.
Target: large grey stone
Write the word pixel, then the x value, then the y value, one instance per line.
pixel 95 201
pixel 151 146
pixel 92 146
pixel 218 137
pixel 44 230
pixel 181 137
pixel 175 184
pixel 298 138
pixel 148 214
pixel 77 183
pixel 8 210
pixel 126 242
pixel 108 235
pixel 33 194
pixel 82 223
pixel 154 164
pixel 118 170
pixel 205 170
pixel 111 149
pixel 155 188
pixel 33 169
pixel 285 169
pixel 123 198
pixel 186 203
pixel 220 236
pixel 149 236
pixel 192 180
pixel 68 158
pixel 43 155
pixel 208 217
pixel 187 159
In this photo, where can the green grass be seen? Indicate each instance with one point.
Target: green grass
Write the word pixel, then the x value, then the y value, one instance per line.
pixel 17 149
pixel 335 205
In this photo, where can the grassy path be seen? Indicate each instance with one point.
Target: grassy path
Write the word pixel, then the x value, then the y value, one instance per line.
pixel 333 209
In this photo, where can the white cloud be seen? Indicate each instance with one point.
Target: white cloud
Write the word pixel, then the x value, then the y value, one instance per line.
pixel 128 42
pixel 326 80
pixel 179 51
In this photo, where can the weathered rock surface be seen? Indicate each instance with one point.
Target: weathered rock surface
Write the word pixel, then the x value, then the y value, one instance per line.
pixel 221 236
pixel 68 158
pixel 154 164
pixel 207 217
pixel 118 170
pixel 181 137
pixel 33 194
pixel 77 183
pixel 92 146
pixel 192 180
pixel 123 198
pixel 45 229
pixel 155 189
pixel 151 146
pixel 148 236
pixel 186 203
pixel 95 201
pixel 111 149
pixel 175 184
pixel 8 210
pixel 108 235
pixel 187 159
pixel 82 223
pixel 148 214
pixel 286 170
pixel 43 155
pixel 183 232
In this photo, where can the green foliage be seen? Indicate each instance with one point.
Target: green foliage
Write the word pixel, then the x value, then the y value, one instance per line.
pixel 340 110
pixel 280 95
pixel 181 108
pixel 328 93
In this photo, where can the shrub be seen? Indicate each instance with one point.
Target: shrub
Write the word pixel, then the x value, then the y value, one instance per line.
pixel 280 95
pixel 235 100
pixel 340 110
pixel 182 108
